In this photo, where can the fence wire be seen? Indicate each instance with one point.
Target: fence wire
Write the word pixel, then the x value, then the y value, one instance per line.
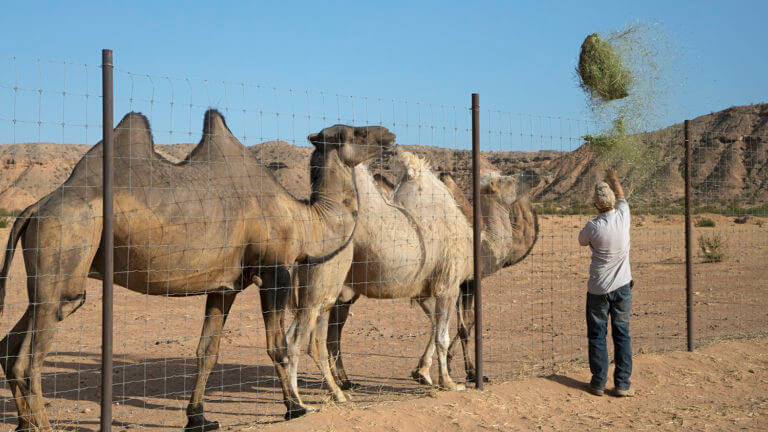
pixel 236 228
pixel 729 237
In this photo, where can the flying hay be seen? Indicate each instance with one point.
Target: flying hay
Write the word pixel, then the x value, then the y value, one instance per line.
pixel 601 71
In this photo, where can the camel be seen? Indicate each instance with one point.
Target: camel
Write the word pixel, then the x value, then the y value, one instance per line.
pixel 509 232
pixel 417 247
pixel 209 225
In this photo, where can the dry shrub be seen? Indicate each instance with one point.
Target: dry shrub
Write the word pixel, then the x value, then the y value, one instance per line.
pixel 712 248
pixel 705 223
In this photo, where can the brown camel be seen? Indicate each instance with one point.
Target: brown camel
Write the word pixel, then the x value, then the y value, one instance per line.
pixel 509 234
pixel 211 225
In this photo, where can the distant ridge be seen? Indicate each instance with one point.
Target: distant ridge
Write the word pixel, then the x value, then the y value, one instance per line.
pixel 730 163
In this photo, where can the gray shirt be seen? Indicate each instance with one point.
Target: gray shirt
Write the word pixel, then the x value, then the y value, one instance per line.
pixel 608 237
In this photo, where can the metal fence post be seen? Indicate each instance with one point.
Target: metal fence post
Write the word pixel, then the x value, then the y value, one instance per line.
pixel 107 240
pixel 688 234
pixel 476 215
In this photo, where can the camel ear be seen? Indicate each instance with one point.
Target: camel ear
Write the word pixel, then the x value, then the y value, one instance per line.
pixel 493 186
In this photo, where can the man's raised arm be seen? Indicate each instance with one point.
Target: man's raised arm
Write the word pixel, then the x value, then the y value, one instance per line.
pixel 613 182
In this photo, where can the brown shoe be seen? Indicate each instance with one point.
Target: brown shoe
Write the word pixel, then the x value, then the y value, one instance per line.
pixel 623 393
pixel 596 391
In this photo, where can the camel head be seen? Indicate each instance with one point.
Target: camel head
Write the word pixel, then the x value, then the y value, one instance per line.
pixel 353 144
pixel 509 188
pixel 535 180
pixel 502 188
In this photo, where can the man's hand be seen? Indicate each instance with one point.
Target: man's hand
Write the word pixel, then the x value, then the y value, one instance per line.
pixel 613 181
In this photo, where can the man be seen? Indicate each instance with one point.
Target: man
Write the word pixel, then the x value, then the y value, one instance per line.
pixel 609 287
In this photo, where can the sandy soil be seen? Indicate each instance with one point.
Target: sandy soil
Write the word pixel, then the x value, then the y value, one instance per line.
pixel 533 326
pixel 719 387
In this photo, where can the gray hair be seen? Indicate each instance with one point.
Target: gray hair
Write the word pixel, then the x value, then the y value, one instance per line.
pixel 604 197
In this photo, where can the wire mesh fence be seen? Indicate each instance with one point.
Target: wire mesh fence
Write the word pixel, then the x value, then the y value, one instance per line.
pixel 250 231
pixel 730 250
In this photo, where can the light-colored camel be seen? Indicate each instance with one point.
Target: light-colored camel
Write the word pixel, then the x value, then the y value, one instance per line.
pixel 509 231
pixel 210 225
pixel 418 247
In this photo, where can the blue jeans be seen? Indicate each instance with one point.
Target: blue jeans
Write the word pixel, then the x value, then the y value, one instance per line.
pixel 618 305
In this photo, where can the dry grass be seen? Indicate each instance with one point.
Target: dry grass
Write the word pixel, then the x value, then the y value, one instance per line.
pixel 601 71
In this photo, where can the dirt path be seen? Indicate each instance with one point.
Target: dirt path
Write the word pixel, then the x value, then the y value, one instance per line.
pixel 721 387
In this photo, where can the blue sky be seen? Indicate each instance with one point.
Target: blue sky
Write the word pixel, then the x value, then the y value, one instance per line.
pixel 404 63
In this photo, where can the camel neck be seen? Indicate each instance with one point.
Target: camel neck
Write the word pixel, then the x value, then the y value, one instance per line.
pixel 497 235
pixel 332 208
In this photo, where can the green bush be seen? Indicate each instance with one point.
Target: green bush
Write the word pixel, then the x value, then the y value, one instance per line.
pixel 712 248
pixel 705 223
pixel 4 220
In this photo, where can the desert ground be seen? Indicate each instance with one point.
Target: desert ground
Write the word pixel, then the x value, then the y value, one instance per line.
pixel 534 341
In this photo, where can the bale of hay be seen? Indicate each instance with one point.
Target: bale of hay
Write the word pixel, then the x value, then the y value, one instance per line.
pixel 601 71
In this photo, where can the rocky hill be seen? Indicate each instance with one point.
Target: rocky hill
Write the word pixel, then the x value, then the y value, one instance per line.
pixel 730 162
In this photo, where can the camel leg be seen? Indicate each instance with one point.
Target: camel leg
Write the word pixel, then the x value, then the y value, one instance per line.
pixel 217 306
pixel 297 337
pixel 16 367
pixel 275 292
pixel 56 289
pixel 444 306
pixel 338 317
pixel 32 338
pixel 421 373
pixel 43 331
pixel 466 320
pixel 318 350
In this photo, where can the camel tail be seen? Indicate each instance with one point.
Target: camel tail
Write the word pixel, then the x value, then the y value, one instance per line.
pixel 19 227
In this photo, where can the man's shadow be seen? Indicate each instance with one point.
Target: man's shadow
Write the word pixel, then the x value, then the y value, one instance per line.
pixel 569 382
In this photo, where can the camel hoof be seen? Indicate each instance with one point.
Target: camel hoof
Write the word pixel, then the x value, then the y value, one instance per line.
pixel 298 412
pixel 421 378
pixel 198 423
pixel 471 378
pixel 453 387
pixel 340 397
pixel 349 385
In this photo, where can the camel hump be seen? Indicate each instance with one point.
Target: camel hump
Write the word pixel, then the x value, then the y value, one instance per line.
pixel 413 167
pixel 133 137
pixel 215 124
pixel 218 142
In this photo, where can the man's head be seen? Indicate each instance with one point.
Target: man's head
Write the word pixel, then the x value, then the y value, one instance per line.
pixel 604 198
